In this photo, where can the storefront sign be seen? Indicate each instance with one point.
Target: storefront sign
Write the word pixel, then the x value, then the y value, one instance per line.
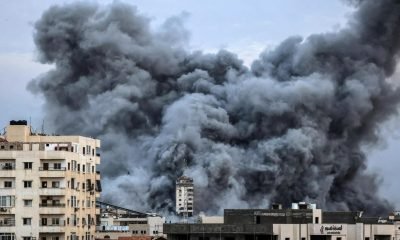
pixel 329 229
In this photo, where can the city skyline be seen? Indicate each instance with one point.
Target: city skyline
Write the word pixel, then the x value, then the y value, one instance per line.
pixel 18 65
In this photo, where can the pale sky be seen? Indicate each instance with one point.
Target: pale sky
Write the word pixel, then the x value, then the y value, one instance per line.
pixel 244 27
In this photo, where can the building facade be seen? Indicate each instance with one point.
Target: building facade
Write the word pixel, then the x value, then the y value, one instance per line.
pixel 184 202
pixel 48 185
pixel 117 222
pixel 301 222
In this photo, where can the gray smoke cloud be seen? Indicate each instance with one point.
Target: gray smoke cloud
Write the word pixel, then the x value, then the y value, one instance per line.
pixel 288 129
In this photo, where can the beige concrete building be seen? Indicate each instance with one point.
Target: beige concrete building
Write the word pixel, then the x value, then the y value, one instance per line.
pixel 117 222
pixel 48 185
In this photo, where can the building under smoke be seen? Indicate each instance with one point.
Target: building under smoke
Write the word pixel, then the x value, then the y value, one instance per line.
pixel 289 128
pixel 184 199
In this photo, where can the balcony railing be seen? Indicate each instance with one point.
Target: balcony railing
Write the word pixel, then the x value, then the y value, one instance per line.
pixel 7 166
pixel 7 222
pixel 52 205
pixel 52 169
pixel 61 223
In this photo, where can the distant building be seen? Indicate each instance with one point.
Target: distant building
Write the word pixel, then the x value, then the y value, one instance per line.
pixel 122 223
pixel 301 222
pixel 48 185
pixel 184 196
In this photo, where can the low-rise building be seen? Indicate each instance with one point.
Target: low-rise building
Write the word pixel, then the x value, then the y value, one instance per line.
pixel 301 222
pixel 117 222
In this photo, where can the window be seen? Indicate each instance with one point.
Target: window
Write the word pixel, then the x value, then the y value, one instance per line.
pixel 27 184
pixel 287 238
pixel 73 201
pixel 7 184
pixel 27 202
pixel 26 238
pixel 55 184
pixel 83 151
pixel 69 166
pixel 56 202
pixel 317 220
pixel 57 166
pixel 55 221
pixel 7 201
pixel 83 168
pixel 7 236
pixel 339 238
pixel 44 184
pixel 44 221
pixel 303 238
pixel 258 219
pixel 27 221
pixel 366 238
pixel 27 165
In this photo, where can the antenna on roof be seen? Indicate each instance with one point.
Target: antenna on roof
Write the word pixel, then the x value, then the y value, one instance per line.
pixel 43 126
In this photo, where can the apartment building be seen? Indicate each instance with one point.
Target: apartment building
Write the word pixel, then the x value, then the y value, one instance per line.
pixel 184 196
pixel 48 185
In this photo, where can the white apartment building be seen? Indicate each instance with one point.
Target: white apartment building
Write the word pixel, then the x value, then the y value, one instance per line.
pixel 184 196
pixel 48 185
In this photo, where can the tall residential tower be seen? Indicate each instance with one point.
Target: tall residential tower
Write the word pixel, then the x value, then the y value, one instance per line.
pixel 48 185
pixel 184 196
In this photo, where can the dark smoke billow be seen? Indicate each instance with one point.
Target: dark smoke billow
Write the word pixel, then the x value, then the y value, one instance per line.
pixel 290 128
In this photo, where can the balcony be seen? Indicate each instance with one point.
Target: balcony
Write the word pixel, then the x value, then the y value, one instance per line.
pixel 52 191
pixel 7 170
pixel 52 208
pixel 7 210
pixel 52 228
pixel 52 172
pixel 8 191
pixel 7 223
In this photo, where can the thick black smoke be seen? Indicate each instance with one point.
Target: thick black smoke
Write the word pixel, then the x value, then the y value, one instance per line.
pixel 290 128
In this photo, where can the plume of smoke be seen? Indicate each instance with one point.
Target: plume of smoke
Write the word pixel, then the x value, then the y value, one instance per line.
pixel 290 128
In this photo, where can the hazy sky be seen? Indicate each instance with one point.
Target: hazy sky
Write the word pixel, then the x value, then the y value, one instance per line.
pixel 244 27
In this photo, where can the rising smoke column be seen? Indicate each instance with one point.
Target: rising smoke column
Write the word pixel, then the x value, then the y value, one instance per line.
pixel 290 128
